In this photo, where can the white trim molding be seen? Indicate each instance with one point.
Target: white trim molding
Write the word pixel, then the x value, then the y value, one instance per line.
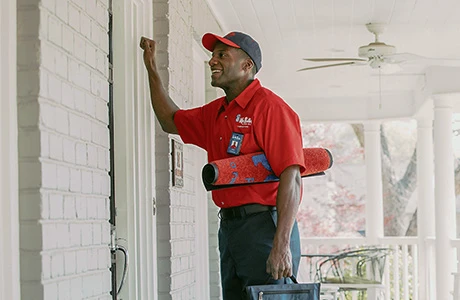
pixel 9 212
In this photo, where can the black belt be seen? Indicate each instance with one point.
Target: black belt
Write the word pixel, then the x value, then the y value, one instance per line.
pixel 243 211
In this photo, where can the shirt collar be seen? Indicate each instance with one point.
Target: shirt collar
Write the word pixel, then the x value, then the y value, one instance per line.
pixel 246 95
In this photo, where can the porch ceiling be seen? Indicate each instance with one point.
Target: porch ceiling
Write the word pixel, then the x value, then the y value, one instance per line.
pixel 289 30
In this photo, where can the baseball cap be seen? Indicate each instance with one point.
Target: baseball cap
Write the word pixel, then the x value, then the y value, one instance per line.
pixel 238 40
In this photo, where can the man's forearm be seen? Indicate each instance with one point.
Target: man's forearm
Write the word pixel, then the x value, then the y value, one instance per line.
pixel 287 205
pixel 162 104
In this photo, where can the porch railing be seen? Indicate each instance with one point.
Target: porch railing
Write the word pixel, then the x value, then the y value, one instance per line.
pixel 402 270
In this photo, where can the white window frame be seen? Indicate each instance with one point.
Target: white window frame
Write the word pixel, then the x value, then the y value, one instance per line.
pixel 9 211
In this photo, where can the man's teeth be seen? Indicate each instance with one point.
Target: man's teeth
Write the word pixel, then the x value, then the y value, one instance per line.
pixel 215 71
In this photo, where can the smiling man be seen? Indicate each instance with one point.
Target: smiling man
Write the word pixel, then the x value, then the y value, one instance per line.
pixel 258 235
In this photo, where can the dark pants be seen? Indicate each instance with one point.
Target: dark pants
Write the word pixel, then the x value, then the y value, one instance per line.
pixel 244 245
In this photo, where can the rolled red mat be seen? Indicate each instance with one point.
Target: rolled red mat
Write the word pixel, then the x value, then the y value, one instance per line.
pixel 254 168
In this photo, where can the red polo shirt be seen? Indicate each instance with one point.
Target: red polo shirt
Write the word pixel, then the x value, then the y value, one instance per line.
pixel 268 125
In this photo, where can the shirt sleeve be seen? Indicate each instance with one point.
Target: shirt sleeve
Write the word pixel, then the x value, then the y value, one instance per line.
pixel 280 137
pixel 191 127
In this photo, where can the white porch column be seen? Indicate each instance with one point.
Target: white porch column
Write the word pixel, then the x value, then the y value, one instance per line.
pixel 425 208
pixel 374 197
pixel 9 215
pixel 444 195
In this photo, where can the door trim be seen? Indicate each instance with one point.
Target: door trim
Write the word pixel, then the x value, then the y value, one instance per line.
pixel 9 195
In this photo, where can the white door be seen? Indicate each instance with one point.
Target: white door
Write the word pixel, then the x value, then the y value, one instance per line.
pixel 134 150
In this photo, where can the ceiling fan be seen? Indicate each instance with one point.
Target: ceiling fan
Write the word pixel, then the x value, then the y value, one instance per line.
pixel 376 54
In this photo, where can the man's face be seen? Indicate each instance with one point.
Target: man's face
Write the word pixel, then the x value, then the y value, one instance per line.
pixel 226 66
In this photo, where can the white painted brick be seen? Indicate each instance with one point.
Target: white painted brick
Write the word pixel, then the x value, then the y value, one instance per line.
pixel 104 39
pixel 73 70
pixel 101 59
pixel 62 120
pixel 69 207
pixel 90 8
pixel 92 208
pixel 49 173
pixel 105 185
pixel 95 33
pixel 81 207
pixel 63 237
pixel 49 5
pixel 75 180
pixel 90 106
pixel 80 153
pixel 105 90
pixel 103 157
pixel 92 155
pixel 88 286
pixel 54 88
pixel 79 99
pixel 92 259
pixel 100 134
pixel 75 235
pixel 56 206
pixel 85 128
pixel 84 78
pixel 76 288
pixel 97 234
pixel 86 235
pixel 85 25
pixel 86 182
pixel 50 291
pixel 106 233
pixel 63 178
pixel 55 146
pixel 45 207
pixel 69 150
pixel 64 289
pixel 74 125
pixel 67 95
pixel 103 212
pixel 57 265
pixel 90 54
pixel 54 31
pixel 47 115
pixel 49 236
pixel 74 16
pixel 67 38
pixel 70 263
pixel 102 15
pixel 61 10
pixel 102 111
pixel 95 84
pixel 29 143
pixel 61 64
pixel 79 47
pixel 103 258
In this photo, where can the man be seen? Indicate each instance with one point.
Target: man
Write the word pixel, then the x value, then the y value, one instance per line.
pixel 258 236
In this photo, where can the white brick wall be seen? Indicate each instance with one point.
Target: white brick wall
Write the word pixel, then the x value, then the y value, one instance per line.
pixel 63 149
pixel 176 25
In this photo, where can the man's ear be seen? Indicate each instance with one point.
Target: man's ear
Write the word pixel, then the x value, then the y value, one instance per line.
pixel 248 64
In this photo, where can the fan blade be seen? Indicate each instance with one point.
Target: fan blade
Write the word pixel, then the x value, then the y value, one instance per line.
pixel 410 57
pixel 334 59
pixel 327 66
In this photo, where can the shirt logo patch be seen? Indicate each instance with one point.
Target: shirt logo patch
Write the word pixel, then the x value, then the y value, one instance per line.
pixel 245 121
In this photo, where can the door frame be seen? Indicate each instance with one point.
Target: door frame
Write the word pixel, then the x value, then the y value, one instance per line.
pixel 133 143
pixel 9 186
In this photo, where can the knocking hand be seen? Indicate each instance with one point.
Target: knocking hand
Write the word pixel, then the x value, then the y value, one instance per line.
pixel 279 263
pixel 148 46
